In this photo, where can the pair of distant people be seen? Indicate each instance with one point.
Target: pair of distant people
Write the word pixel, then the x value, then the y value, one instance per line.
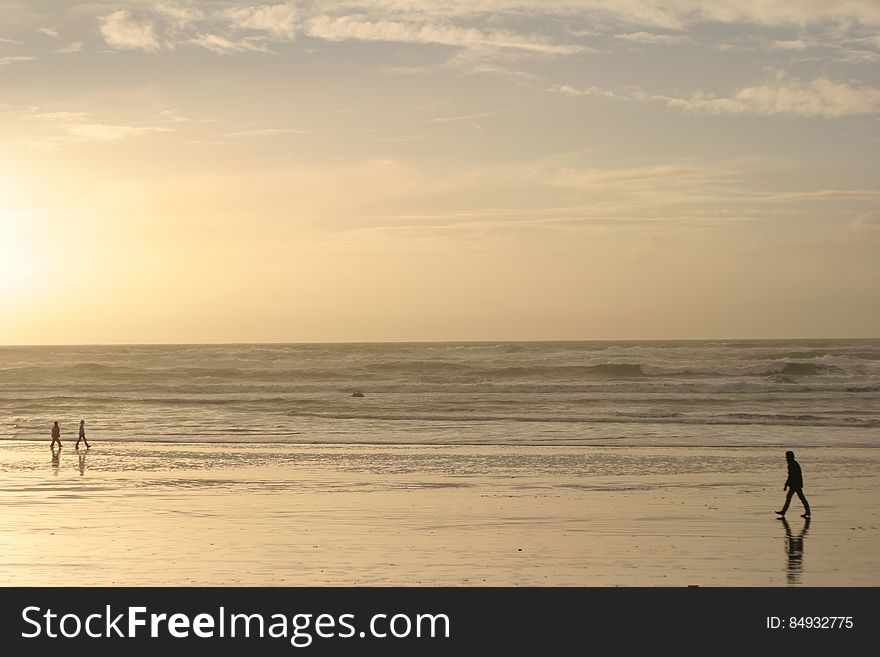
pixel 56 435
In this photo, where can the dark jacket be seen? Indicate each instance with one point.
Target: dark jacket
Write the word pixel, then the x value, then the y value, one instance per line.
pixel 795 477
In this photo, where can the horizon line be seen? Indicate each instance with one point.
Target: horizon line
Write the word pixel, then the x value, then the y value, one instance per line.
pixel 391 342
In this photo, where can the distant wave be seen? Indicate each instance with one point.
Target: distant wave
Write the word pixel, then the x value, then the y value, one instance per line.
pixel 672 418
pixel 417 369
pixel 225 393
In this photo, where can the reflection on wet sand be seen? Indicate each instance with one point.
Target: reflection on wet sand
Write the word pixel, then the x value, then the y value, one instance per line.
pixel 794 547
pixel 56 458
pixel 82 463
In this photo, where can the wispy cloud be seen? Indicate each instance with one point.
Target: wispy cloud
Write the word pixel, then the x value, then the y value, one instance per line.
pixel 224 31
pixel 80 127
pixel 595 14
pixel 223 46
pixel 790 44
pixel 277 20
pixel 529 27
pixel 49 32
pixel 171 116
pixel 568 90
pixel 207 142
pixel 179 17
pixel 12 59
pixel 818 98
pixel 406 70
pixel 76 46
pixel 785 96
pixel 650 178
pixel 653 38
pixel 464 117
pixel 121 31
pixel 102 132
pixel 266 132
pixel 355 27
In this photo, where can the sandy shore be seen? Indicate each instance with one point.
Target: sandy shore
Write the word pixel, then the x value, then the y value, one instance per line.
pixel 232 514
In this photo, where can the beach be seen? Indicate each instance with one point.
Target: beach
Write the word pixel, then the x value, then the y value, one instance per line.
pixel 269 514
pixel 441 464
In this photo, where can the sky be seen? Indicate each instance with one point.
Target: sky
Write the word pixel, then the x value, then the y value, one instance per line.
pixel 402 170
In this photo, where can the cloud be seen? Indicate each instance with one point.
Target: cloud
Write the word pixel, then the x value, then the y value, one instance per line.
pixel 79 127
pixel 166 25
pixel 356 28
pixel 76 46
pixel 62 117
pixel 486 28
pixel 49 32
pixel 265 132
pixel 465 117
pixel 179 17
pixel 652 38
pixel 638 178
pixel 223 46
pixel 819 98
pixel 406 70
pixel 567 90
pixel 529 27
pixel 642 13
pixel 120 31
pixel 857 56
pixel 5 61
pixel 102 132
pixel 791 44
pixel 277 20
pixel 171 116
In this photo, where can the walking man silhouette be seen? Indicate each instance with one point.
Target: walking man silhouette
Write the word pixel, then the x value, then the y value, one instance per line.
pixel 794 484
pixel 82 435
pixel 56 435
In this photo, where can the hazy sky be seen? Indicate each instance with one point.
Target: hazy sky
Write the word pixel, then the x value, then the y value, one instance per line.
pixel 457 170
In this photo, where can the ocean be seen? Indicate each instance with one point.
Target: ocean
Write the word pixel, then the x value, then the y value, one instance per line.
pixel 793 393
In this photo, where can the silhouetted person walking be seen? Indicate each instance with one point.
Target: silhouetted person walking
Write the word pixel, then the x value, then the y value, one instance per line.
pixel 794 484
pixel 56 435
pixel 82 435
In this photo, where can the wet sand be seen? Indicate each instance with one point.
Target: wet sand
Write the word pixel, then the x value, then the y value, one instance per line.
pixel 160 514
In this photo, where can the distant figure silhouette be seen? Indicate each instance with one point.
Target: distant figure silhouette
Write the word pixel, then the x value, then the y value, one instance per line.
pixel 56 435
pixel 794 484
pixel 794 547
pixel 82 435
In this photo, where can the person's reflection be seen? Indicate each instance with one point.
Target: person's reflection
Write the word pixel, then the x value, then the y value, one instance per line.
pixel 82 463
pixel 794 547
pixel 56 459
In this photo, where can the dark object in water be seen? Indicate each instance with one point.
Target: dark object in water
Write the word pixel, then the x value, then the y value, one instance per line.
pixel 357 394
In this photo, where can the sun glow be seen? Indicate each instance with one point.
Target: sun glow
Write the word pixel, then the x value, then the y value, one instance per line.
pixel 18 263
